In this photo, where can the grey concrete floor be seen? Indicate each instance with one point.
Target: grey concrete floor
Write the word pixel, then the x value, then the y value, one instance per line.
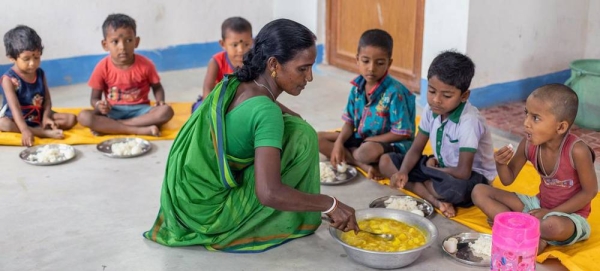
pixel 90 213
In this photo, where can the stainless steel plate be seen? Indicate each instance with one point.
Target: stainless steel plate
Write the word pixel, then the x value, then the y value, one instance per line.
pixel 65 153
pixel 105 147
pixel 341 178
pixel 422 204
pixel 464 253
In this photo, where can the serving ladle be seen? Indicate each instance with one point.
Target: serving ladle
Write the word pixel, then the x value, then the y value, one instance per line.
pixel 384 236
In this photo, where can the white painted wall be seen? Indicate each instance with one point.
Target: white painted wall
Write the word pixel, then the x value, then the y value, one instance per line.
pixel 73 28
pixel 592 47
pixel 513 39
pixel 306 12
pixel 446 27
pixel 508 40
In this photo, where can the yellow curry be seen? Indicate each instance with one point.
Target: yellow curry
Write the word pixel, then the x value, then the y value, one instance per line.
pixel 406 237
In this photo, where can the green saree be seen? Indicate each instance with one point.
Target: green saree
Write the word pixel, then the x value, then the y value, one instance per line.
pixel 208 195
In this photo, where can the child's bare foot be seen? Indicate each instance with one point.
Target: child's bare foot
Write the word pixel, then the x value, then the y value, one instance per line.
pixel 374 174
pixel 446 208
pixel 150 130
pixel 56 133
pixel 542 245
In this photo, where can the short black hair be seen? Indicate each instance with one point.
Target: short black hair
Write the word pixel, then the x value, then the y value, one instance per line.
pixel 22 38
pixel 376 38
pixel 117 21
pixel 563 101
pixel 453 68
pixel 237 25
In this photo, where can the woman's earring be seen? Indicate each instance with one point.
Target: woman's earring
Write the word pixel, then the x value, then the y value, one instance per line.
pixel 274 74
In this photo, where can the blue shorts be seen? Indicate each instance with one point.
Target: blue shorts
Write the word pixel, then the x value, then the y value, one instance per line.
pixel 197 104
pixel 5 113
pixel 122 112
pixel 582 227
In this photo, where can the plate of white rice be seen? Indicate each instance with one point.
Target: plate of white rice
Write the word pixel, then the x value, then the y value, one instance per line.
pixel 469 248
pixel 126 147
pixel 404 203
pixel 47 155
pixel 335 176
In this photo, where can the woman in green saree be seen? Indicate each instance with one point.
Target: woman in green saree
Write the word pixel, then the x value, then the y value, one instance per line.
pixel 242 176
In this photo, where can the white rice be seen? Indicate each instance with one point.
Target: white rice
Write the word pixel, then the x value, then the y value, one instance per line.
pixel 327 174
pixel 482 246
pixel 401 203
pixel 46 154
pixel 131 147
pixel 451 245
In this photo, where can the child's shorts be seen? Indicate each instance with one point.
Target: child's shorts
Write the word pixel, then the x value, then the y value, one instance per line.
pixel 354 142
pixel 197 104
pixel 582 227
pixel 5 113
pixel 450 189
pixel 121 112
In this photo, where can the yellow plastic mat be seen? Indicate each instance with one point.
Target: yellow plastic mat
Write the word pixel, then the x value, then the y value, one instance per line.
pixel 79 135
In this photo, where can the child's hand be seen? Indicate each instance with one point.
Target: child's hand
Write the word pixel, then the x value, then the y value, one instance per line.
pixel 337 155
pixel 539 213
pixel 103 107
pixel 49 122
pixel 27 137
pixel 504 154
pixel 398 180
pixel 432 162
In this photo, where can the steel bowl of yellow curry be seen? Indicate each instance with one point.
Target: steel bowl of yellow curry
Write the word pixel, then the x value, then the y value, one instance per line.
pixel 411 235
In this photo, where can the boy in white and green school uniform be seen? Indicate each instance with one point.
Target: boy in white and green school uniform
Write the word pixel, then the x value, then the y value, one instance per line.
pixel 460 139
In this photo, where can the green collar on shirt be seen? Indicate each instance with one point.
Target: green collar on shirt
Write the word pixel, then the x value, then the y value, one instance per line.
pixel 455 115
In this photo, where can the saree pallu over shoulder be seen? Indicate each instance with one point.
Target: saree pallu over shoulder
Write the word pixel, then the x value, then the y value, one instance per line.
pixel 204 203
pixel 219 104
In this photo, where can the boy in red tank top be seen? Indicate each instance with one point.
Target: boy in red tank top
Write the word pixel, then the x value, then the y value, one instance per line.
pixel 565 163
pixel 236 40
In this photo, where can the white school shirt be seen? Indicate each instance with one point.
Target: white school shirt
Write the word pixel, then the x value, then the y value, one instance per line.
pixel 463 130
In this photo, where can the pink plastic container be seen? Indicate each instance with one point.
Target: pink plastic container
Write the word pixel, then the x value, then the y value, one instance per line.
pixel 515 239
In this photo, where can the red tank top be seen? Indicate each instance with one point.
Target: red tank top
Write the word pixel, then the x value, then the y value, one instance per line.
pixel 563 183
pixel 224 64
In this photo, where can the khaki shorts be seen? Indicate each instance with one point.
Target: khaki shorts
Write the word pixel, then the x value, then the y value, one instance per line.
pixel 582 227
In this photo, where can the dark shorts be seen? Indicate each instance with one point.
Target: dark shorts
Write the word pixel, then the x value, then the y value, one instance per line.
pixel 197 104
pixel 354 142
pixel 29 123
pixel 450 189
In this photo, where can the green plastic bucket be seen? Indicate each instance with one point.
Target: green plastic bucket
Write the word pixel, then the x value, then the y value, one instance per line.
pixel 585 81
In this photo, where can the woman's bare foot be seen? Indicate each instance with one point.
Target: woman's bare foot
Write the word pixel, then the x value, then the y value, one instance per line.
pixel 446 208
pixel 149 130
pixel 55 133
pixel 374 174
pixel 541 246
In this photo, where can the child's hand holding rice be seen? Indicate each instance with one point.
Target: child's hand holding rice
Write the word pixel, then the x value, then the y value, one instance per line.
pixel 504 154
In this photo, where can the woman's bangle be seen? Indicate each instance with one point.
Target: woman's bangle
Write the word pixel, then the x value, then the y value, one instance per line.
pixel 333 206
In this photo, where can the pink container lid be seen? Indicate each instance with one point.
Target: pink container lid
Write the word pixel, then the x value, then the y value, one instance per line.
pixel 515 231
